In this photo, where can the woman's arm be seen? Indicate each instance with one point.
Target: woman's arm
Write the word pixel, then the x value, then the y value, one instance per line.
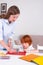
pixel 1 38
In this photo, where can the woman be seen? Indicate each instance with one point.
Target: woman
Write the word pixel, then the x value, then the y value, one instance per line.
pixel 7 26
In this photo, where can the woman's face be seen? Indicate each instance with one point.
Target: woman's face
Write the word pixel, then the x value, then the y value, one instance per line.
pixel 13 18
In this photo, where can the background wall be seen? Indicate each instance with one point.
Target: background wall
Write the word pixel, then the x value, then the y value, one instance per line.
pixel 30 20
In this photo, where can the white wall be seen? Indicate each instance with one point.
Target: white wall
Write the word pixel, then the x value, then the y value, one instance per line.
pixel 30 20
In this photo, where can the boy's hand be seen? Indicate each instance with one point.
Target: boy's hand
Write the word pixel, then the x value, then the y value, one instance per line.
pixel 34 51
pixel 12 51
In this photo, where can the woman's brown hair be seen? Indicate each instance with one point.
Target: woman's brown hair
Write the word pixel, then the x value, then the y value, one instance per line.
pixel 2 16
pixel 13 10
pixel 26 39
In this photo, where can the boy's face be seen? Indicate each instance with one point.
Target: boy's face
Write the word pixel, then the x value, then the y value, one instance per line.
pixel 25 45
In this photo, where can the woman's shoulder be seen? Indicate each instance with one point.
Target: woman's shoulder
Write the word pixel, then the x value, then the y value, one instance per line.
pixel 1 20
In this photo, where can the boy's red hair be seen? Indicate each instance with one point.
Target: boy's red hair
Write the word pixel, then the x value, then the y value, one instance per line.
pixel 26 39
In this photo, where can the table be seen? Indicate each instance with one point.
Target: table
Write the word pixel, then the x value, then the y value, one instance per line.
pixel 14 60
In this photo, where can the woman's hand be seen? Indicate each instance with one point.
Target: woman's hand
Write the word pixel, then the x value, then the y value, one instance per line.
pixel 10 46
pixel 10 43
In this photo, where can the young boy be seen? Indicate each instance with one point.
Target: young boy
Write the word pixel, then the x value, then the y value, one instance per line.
pixel 25 45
